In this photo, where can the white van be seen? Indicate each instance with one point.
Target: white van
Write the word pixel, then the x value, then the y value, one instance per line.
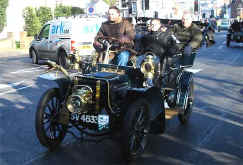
pixel 60 37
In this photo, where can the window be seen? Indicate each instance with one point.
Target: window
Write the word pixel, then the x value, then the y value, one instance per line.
pixel 45 32
pixel 146 5
pixel 123 3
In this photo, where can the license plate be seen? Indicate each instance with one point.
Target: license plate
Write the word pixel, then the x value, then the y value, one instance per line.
pixel 101 120
pixel 85 47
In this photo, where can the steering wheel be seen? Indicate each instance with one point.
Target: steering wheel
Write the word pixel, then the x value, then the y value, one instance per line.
pixel 104 39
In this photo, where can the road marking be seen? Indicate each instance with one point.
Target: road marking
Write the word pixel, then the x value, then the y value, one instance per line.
pixel 14 90
pixel 30 69
pixel 2 86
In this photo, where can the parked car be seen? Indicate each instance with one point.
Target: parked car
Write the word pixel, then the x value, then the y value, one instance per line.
pixel 225 25
pixel 59 38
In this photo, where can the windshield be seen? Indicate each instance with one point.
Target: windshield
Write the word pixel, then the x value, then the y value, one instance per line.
pixel 225 23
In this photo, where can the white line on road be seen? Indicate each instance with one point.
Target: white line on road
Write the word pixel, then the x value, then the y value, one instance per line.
pixel 30 69
pixel 2 86
pixel 14 90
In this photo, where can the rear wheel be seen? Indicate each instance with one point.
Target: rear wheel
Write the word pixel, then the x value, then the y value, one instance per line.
pixel 34 57
pixel 184 118
pixel 135 129
pixel 63 60
pixel 49 132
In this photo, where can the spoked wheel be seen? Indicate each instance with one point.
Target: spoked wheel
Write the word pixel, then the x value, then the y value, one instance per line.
pixel 34 57
pixel 184 118
pixel 135 129
pixel 49 132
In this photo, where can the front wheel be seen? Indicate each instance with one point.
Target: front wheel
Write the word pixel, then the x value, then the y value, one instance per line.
pixel 49 132
pixel 136 127
pixel 184 118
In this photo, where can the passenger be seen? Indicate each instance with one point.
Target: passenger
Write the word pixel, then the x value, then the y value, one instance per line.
pixel 119 28
pixel 189 36
pixel 155 40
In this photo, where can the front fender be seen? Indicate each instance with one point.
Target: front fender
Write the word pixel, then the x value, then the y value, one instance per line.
pixel 62 81
pixel 153 96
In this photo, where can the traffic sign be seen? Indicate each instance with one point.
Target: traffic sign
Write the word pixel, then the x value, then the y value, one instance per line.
pixel 90 10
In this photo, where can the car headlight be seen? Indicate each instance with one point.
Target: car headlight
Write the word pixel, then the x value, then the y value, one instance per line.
pixel 148 67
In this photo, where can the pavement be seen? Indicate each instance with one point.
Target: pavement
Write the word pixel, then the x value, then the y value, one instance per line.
pixel 9 52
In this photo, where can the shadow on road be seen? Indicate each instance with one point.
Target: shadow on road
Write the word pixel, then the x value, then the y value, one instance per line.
pixel 180 144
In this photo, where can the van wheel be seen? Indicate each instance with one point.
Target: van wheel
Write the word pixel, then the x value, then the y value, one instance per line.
pixel 63 60
pixel 34 57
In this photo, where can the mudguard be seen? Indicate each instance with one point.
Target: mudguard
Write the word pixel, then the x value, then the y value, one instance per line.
pixel 156 103
pixel 60 80
pixel 153 96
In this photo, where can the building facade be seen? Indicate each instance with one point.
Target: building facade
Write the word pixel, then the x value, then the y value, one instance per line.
pixel 237 9
pixel 167 9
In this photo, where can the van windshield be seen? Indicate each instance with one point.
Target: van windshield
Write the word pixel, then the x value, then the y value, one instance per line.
pixel 225 23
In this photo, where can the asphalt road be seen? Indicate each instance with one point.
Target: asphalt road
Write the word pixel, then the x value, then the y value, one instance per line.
pixel 213 135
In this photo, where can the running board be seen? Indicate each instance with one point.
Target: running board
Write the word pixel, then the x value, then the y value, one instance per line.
pixel 170 113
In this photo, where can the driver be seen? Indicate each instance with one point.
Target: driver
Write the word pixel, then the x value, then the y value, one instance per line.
pixel 119 28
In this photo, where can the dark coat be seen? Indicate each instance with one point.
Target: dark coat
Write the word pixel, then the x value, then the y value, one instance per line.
pixel 161 43
pixel 188 36
pixel 117 30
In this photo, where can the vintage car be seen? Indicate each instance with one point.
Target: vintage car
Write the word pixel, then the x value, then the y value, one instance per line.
pixel 235 33
pixel 109 99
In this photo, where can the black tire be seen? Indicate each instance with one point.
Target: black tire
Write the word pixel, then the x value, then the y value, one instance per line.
pixel 136 126
pixel 228 43
pixel 63 60
pixel 158 124
pixel 34 56
pixel 49 132
pixel 184 118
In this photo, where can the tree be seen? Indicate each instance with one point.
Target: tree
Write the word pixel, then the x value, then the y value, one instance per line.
pixel 62 11
pixel 3 6
pixel 77 11
pixel 110 2
pixel 32 22
pixel 44 14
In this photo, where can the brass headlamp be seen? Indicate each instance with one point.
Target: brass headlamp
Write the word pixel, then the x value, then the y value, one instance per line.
pixel 148 66
pixel 79 99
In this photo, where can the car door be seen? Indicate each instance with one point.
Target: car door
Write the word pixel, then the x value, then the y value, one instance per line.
pixel 43 38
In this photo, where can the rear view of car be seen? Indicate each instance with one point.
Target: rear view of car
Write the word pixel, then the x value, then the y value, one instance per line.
pixel 225 25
